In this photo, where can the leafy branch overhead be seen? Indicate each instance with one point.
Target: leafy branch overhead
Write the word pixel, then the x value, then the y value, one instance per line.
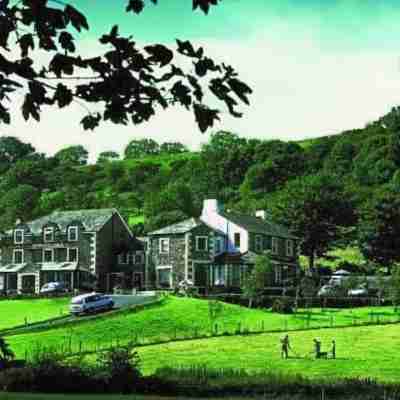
pixel 124 84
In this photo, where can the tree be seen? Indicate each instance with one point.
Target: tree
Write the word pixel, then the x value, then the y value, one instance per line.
pixel 107 156
pixel 172 148
pixel 316 209
pixel 18 203
pixel 12 150
pixel 256 280
pixel 125 82
pixel 72 155
pixel 140 148
pixel 379 237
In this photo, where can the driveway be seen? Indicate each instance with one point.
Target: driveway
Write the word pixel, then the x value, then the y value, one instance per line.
pixel 126 300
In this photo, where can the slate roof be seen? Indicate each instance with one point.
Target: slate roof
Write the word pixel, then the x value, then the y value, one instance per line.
pixel 36 267
pixel 180 227
pixel 92 220
pixel 257 225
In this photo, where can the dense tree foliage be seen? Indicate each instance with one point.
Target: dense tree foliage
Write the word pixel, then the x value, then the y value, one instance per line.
pixel 124 83
pixel 380 228
pixel 320 186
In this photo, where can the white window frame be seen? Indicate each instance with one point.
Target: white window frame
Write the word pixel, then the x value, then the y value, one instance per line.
pixel 77 254
pixel 48 230
pixel 278 273
pixel 160 245
pixel 289 247
pixel 218 246
pixel 121 259
pixel 275 245
pixel 219 275
pixel 72 228
pixel 52 256
pixel 22 237
pixel 258 243
pixel 22 258
pixel 198 240
pixel 138 259
pixel 161 267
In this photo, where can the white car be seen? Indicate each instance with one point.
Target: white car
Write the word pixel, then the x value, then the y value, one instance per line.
pixel 89 303
pixel 53 287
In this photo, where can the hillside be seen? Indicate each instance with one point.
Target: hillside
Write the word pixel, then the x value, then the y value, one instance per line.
pixel 245 174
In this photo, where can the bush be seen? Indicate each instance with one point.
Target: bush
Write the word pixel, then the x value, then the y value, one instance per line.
pixel 282 306
pixel 17 380
pixel 120 368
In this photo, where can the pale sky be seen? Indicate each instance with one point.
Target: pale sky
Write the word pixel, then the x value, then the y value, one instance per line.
pixel 316 67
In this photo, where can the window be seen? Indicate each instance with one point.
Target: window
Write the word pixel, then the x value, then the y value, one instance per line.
pixel 122 258
pixel 48 255
pixel 164 246
pixel 164 276
pixel 18 256
pixel 138 259
pixel 201 243
pixel 48 234
pixel 274 246
pixel 289 247
pixel 72 233
pixel 218 245
pixel 237 239
pixel 219 275
pixel 278 274
pixel 258 245
pixel 130 259
pixel 72 254
pixel 19 236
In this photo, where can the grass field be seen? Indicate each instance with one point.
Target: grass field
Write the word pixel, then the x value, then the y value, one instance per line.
pixel 361 352
pixel 28 396
pixel 14 312
pixel 184 318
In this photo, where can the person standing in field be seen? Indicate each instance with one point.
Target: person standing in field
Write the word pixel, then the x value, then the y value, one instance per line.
pixel 285 346
pixel 317 348
pixel 333 349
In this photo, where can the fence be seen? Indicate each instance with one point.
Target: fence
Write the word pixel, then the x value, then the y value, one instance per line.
pixel 72 345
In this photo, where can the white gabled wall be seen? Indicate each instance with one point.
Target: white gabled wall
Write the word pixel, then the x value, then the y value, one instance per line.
pixel 211 216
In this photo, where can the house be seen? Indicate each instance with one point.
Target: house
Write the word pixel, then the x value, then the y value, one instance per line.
pixel 81 248
pixel 218 249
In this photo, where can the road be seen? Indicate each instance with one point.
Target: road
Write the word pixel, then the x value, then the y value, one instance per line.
pixel 125 300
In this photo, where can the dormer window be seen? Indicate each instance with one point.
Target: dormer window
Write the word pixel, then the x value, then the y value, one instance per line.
pixel 19 236
pixel 72 233
pixel 201 243
pixel 48 234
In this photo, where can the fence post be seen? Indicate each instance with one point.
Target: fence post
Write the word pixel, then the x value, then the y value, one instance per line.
pixel 216 329
pixel 239 327
pixel 286 324
pixel 331 318
pixel 262 326
pixel 26 321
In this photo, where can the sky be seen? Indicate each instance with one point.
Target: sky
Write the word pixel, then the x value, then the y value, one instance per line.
pixel 317 67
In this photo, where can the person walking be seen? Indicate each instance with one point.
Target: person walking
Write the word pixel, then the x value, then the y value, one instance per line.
pixel 285 346
pixel 333 349
pixel 317 348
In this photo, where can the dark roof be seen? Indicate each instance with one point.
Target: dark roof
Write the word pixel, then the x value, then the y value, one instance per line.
pixel 182 227
pixel 257 225
pixel 92 220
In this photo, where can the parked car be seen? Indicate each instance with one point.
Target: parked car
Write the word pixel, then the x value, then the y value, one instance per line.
pixel 90 303
pixel 326 291
pixel 358 292
pixel 53 287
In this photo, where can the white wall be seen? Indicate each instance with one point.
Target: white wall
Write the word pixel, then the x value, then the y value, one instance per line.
pixel 211 217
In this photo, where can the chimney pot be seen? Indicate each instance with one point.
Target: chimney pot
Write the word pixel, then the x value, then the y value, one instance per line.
pixel 261 214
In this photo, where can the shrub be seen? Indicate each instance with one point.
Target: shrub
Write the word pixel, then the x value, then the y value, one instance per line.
pixel 121 368
pixel 17 380
pixel 282 306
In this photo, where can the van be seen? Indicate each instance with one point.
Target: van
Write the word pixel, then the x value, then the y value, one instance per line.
pixel 90 303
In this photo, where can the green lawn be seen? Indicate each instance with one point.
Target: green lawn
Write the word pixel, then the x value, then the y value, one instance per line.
pixel 28 396
pixel 182 318
pixel 14 312
pixel 361 352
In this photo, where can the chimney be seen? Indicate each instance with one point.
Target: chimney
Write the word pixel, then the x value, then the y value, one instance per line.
pixel 261 214
pixel 18 221
pixel 211 206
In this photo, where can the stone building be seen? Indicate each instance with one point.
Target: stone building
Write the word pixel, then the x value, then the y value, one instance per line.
pixel 83 249
pixel 218 249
